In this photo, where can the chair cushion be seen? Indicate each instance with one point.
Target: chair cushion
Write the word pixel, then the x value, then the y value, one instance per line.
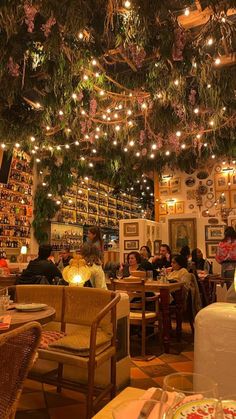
pixel 48 337
pixel 79 343
pixel 137 315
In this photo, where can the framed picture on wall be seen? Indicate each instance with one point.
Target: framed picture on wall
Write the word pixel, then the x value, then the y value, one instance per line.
pixel 131 244
pixel 233 181
pixel 163 192
pixel 171 209
pixel 211 249
pixel 214 232
pixel 131 229
pixel 157 245
pixel 233 199
pixel 179 207
pixel 233 223
pixel 223 199
pixel 182 232
pixel 221 181
pixel 162 209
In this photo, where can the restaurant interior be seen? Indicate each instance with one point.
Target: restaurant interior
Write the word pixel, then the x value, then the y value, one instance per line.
pixel 117 209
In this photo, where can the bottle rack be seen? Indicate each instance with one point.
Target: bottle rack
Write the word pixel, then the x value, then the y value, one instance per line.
pixel 93 203
pixel 16 203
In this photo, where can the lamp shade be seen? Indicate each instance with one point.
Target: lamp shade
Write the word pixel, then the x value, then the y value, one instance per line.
pixel 75 275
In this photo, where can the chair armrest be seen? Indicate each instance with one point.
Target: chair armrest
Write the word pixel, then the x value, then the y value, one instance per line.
pixel 96 322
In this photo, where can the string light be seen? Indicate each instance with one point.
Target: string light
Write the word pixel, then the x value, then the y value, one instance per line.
pixel 85 77
pixel 94 150
pixel 154 147
pixel 76 142
pixel 80 35
pixel 17 145
pixel 94 62
pixel 131 143
pixel 178 133
pixel 3 145
pixel 167 153
pixel 183 146
pixel 67 146
pixel 32 139
pixel 83 112
pixel 97 74
pixel 58 147
pixel 74 96
pixel 152 157
pixel 144 106
pixel 209 86
pixel 117 127
pixel 176 82
pixel 90 164
pixel 49 195
pixel 61 113
pixel 210 41
pixel 44 184
pixel 58 202
pixel 38 105
pixel 198 136
pixel 187 12
pixel 82 158
pixel 125 149
pixel 196 110
pixel 211 122
pixel 217 61
pixel 205 144
pixel 115 142
pixel 33 152
pixel 137 154
pixel 102 93
pixel 213 156
pixel 48 128
pixel 129 112
pixel 127 4
pixel 38 160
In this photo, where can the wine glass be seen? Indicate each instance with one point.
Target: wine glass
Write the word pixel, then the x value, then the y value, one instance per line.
pixel 149 275
pixel 191 384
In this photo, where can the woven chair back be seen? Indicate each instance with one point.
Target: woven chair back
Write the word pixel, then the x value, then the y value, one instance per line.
pixel 17 353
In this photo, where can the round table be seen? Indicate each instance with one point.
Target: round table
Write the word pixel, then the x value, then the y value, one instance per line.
pixel 18 318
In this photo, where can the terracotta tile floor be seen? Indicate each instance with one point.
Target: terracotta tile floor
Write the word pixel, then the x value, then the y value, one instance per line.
pixel 43 402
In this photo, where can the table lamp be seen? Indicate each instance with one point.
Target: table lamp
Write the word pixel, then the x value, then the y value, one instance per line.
pixel 23 252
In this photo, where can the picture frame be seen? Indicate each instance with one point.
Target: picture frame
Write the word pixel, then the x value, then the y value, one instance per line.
pixel 162 209
pixel 175 182
pixel 156 247
pixel 233 199
pixel 164 192
pixel 131 229
pixel 233 223
pixel 182 232
pixel 226 198
pixel 211 249
pixel 171 209
pixel 131 244
pixel 179 207
pixel 233 181
pixel 221 181
pixel 214 232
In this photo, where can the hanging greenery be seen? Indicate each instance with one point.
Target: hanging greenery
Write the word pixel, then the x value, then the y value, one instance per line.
pixel 116 88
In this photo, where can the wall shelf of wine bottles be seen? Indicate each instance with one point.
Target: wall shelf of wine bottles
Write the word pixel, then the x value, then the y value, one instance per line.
pixel 16 203
pixel 93 203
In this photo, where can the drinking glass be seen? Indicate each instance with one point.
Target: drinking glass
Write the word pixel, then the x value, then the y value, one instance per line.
pixel 140 408
pixel 191 384
pixel 149 275
pixel 119 274
pixel 4 304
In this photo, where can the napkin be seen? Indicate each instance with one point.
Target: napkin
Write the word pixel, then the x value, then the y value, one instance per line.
pixel 144 408
pixel 5 322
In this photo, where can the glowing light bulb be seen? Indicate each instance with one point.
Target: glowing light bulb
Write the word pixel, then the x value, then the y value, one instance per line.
pixel 131 143
pixel 120 106
pixel 94 150
pixel 115 115
pixel 213 156
pixel 210 41
pixel 130 123
pixel 76 142
pixel 183 146
pixel 196 110
pixel 85 77
pixel 58 202
pixel 117 127
pixel 3 145
pixel 217 61
pixel 97 129
pixel 38 160
pixel 137 154
pixel 97 74
pixel 83 112
pixel 32 139
pixel 67 146
pixel 152 157
pixel 129 112
pixel 198 136
pixel 61 113
pixel 58 147
pixel 82 158
pixel 49 195
pixel 176 82
pixel 17 145
pixel 178 133
pixel 167 153
pixel 154 147
pixel 144 106
pixel 48 128
pixel 187 12
pixel 104 116
pixel 209 86
pixel 90 164
pixel 102 93
pixel 74 96
pixel 127 4
pixel 38 105
pixel 94 62
pixel 33 152
pixel 211 123
pixel 125 149
pixel 80 35
pixel 205 144
pixel 114 142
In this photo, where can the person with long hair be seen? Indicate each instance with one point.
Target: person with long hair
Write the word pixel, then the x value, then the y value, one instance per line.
pixel 226 253
pixel 133 264
pixel 198 261
pixel 95 238
pixel 90 253
pixel 163 260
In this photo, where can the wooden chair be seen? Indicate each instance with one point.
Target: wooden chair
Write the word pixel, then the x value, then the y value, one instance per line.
pixel 92 343
pixel 139 314
pixel 17 354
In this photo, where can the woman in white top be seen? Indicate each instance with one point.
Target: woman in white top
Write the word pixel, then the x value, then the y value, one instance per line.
pixel 90 253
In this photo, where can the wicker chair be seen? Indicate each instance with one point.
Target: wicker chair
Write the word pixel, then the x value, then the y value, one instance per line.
pixel 17 353
pixel 90 345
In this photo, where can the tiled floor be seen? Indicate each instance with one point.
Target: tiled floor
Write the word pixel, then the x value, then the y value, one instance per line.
pixel 43 402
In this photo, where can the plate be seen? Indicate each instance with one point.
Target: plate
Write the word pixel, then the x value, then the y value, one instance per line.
pixel 209 182
pixel 204 409
pixel 30 307
pixel 190 181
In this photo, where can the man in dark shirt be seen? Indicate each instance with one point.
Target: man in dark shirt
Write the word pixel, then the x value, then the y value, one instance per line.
pixel 40 267
pixel 65 258
pixel 163 260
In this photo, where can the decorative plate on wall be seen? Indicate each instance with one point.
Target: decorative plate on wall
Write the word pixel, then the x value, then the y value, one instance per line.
pixel 209 204
pixel 210 195
pixel 205 213
pixel 218 169
pixel 213 221
pixel 191 206
pixel 209 182
pixel 202 175
pixel 190 181
pixel 202 190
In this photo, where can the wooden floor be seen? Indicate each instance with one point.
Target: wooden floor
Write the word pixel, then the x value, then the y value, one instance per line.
pixel 43 402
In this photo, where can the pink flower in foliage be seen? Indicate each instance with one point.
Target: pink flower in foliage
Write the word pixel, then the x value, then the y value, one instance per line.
pixel 174 142
pixel 46 27
pixel 13 68
pixel 142 137
pixel 192 97
pixel 92 107
pixel 30 12
pixel 179 44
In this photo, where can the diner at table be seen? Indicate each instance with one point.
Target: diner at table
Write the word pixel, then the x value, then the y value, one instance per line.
pixel 118 209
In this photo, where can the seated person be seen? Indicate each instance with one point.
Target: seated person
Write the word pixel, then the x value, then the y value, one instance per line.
pixel 87 266
pixel 179 271
pixel 199 263
pixel 4 265
pixel 146 260
pixel 163 260
pixel 135 263
pixel 185 252
pixel 64 259
pixel 40 267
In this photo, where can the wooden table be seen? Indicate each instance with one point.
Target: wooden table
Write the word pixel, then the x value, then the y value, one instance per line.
pixel 18 318
pixel 7 281
pixel 129 393
pixel 165 290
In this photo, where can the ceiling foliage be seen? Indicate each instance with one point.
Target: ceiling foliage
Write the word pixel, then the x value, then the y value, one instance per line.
pixel 119 87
